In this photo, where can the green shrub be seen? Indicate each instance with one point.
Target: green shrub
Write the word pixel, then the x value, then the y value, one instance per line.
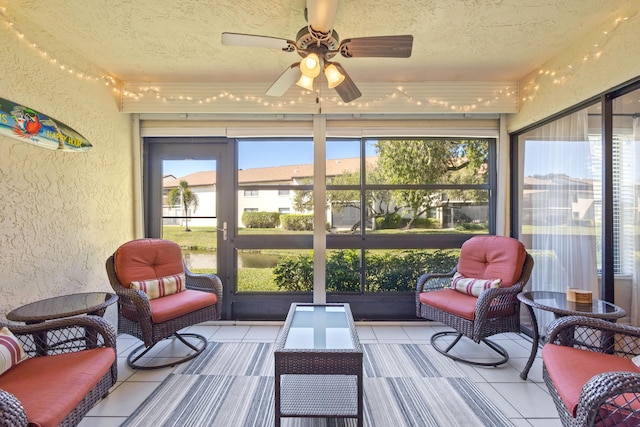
pixel 343 271
pixel 260 219
pixel 471 226
pixel 297 222
pixel 431 223
pixel 294 273
pixel 390 221
pixel 389 271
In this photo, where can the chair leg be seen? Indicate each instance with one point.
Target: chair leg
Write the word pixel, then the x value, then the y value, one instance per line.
pixel 492 345
pixel 136 354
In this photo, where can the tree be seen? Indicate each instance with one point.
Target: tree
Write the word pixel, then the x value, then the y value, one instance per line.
pixel 183 196
pixel 427 161
pixel 377 202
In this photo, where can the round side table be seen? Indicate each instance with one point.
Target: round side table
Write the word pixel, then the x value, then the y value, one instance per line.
pixel 556 303
pixel 94 303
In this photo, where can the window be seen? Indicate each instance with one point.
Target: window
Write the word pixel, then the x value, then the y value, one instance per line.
pixel 419 185
pixel 400 201
pixel 283 192
pixel 250 193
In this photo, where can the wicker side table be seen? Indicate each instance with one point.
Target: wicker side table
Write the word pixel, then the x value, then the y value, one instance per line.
pixel 91 303
pixel 556 303
pixel 94 303
pixel 318 364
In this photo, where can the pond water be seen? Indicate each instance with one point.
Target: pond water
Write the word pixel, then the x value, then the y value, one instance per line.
pixel 208 260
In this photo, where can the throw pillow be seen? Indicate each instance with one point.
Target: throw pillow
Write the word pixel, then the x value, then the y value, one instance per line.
pixel 157 288
pixel 471 286
pixel 11 351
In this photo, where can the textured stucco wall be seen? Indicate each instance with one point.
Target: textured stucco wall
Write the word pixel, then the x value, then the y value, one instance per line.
pixel 607 58
pixel 62 213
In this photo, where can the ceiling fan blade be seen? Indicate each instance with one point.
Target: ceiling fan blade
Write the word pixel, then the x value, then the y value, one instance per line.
pixel 321 15
pixel 380 47
pixel 284 82
pixel 347 90
pixel 250 40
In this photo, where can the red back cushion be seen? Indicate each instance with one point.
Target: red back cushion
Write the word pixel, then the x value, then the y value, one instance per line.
pixel 492 257
pixel 146 259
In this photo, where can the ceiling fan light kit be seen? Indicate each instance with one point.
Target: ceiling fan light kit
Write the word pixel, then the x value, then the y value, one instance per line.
pixel 305 82
pixel 317 44
pixel 310 66
pixel 333 75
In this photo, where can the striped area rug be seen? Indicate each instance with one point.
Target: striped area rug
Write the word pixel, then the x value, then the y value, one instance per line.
pixel 231 385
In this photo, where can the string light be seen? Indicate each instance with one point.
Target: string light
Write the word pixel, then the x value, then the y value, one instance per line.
pixel 558 76
pixel 563 73
pixel 107 79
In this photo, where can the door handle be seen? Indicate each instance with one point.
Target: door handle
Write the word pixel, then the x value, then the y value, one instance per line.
pixel 224 230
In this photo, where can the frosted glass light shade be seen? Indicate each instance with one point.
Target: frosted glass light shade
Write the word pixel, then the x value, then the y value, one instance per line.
pixel 310 65
pixel 333 75
pixel 305 82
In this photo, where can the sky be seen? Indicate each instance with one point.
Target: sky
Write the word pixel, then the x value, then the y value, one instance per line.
pixel 572 158
pixel 258 154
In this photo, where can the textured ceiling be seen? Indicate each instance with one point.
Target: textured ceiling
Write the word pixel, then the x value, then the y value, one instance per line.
pixel 179 41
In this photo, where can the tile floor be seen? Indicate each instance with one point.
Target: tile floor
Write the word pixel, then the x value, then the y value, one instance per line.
pixel 526 403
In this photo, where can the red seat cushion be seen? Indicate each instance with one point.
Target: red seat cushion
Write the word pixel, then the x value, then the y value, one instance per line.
pixel 145 259
pixel 451 301
pixel 492 257
pixel 570 368
pixel 176 305
pixel 50 387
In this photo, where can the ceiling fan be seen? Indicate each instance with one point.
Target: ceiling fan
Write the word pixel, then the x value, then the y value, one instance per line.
pixel 317 44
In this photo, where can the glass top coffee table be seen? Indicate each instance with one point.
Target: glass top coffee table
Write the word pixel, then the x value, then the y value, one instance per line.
pixel 318 364
pixel 556 303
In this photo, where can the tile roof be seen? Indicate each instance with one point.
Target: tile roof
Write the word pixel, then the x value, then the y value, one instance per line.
pixel 275 174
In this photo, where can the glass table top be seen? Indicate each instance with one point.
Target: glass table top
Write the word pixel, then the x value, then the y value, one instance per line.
pixel 557 302
pixel 62 306
pixel 319 327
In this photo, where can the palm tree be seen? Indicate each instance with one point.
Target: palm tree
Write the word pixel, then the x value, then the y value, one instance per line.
pixel 182 195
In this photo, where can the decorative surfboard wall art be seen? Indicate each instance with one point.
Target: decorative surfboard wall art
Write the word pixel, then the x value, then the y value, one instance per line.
pixel 25 124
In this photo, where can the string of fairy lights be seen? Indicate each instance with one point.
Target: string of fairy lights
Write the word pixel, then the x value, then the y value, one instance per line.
pixel 557 76
pixel 561 74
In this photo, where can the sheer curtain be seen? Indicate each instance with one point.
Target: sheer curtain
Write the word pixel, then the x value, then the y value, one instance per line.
pixel 630 215
pixel 558 210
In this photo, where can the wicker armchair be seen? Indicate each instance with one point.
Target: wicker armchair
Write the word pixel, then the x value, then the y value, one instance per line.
pixel 588 370
pixel 26 397
pixel 494 311
pixel 153 320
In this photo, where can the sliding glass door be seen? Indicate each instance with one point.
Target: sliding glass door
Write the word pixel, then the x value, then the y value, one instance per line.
pixel 578 201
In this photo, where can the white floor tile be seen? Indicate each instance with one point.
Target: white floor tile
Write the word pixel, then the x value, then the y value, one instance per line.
pixel 390 334
pixel 365 333
pixel 499 400
pixel 529 399
pixel 230 333
pixel 123 400
pixel 262 334
pixel 102 421
pixel 206 331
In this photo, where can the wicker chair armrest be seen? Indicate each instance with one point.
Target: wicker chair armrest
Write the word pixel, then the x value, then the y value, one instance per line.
pixel 435 281
pixel 600 335
pixel 11 411
pixel 203 282
pixel 606 389
pixel 65 335
pixel 498 299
